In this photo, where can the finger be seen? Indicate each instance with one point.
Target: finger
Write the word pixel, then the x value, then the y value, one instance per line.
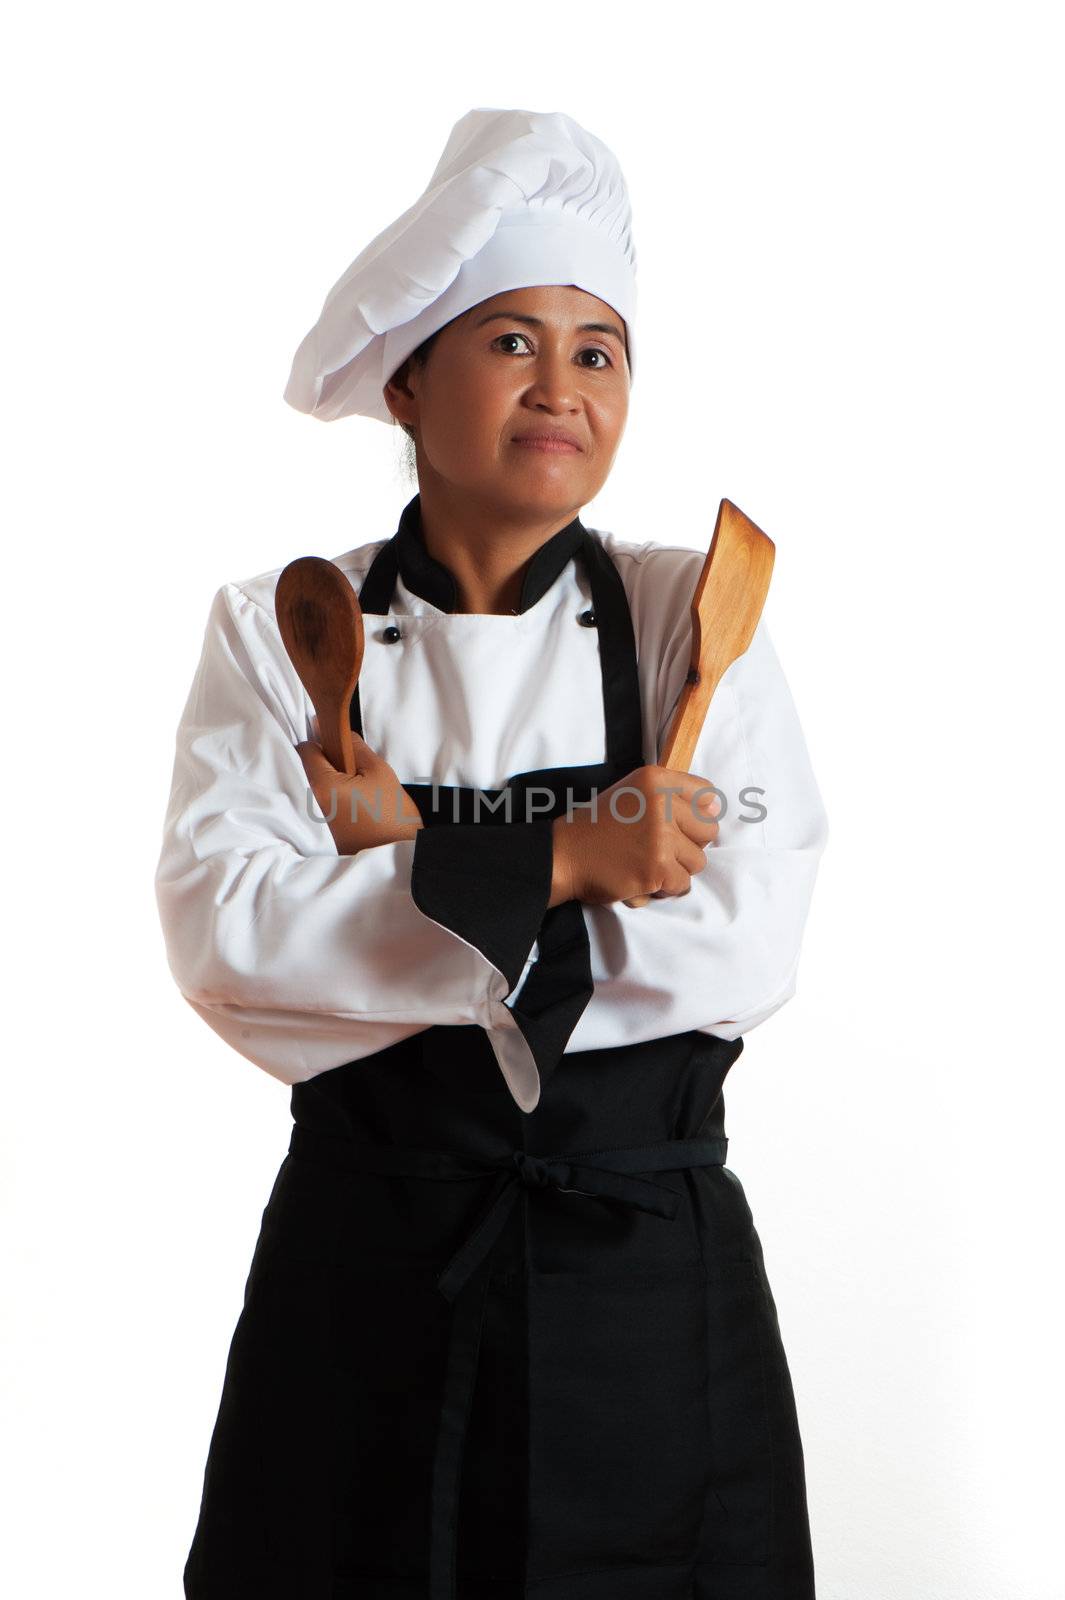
pixel 321 777
pixel 690 856
pixel 696 813
pixel 317 762
pixel 676 881
pixel 366 758
pixel 677 874
pixel 698 833
pixel 314 760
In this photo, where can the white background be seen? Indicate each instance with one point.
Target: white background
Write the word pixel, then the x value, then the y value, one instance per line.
pixel 846 221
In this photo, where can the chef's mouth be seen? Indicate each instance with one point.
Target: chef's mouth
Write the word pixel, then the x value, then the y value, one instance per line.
pixel 552 446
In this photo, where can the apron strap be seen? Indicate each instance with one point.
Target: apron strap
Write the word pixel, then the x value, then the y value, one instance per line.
pixel 617 655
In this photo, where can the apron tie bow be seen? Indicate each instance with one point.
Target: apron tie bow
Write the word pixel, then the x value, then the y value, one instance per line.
pixel 532 1170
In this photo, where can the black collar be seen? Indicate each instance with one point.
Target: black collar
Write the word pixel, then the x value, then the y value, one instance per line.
pixel 429 578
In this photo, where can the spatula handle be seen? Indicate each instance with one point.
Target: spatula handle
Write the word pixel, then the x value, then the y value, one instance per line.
pixel 725 608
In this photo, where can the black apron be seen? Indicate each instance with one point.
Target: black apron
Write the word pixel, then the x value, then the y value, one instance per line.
pixel 489 1353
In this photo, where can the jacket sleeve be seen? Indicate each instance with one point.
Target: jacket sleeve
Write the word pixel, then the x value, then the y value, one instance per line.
pixel 724 957
pixel 300 958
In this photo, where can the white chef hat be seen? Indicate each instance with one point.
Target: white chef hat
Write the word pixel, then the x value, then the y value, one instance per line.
pixel 518 198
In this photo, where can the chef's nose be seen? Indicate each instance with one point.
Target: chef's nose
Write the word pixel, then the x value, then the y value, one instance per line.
pixel 552 383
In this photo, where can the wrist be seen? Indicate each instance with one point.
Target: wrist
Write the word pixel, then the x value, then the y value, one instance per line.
pixel 562 876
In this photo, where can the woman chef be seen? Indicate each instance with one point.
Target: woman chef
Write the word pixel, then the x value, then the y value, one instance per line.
pixel 507 1329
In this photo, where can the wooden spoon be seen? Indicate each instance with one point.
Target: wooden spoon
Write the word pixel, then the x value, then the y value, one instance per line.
pixel 726 605
pixel 320 621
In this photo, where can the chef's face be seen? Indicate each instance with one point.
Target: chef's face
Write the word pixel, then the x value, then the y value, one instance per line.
pixel 521 361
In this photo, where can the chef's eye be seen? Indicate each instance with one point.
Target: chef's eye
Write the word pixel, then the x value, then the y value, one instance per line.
pixel 593 350
pixel 502 336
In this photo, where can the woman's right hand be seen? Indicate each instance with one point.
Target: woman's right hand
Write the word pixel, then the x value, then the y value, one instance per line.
pixel 370 808
pixel 648 848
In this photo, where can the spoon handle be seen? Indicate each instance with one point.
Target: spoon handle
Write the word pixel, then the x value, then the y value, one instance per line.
pixel 334 729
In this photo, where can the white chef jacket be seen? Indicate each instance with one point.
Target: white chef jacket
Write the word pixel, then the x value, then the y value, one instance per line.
pixel 303 959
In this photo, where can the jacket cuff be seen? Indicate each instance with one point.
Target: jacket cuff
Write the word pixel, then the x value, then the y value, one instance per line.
pixel 530 1035
pixel 491 885
pixel 488 884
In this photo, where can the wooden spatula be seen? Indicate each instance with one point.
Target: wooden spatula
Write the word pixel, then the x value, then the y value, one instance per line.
pixel 320 621
pixel 726 605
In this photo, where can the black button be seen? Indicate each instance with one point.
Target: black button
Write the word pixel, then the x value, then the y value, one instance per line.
pixel 391 634
pixel 587 618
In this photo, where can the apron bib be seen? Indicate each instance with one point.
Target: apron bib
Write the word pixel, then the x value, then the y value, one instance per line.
pixel 492 1353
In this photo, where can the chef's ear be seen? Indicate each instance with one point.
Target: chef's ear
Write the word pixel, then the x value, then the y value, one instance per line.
pixel 400 397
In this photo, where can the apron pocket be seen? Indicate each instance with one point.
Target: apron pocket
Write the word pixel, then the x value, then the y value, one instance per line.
pixel 618 1420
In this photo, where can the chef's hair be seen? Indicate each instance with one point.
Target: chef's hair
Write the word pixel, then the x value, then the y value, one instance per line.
pixel 410 454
